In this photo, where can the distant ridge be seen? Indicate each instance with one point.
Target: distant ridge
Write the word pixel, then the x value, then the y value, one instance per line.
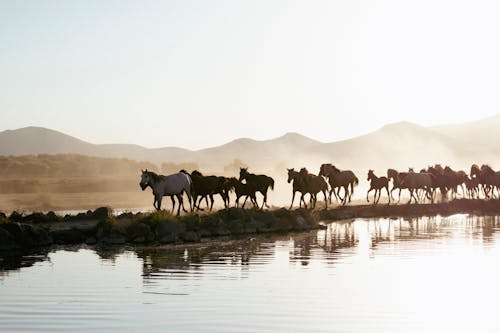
pixel 400 145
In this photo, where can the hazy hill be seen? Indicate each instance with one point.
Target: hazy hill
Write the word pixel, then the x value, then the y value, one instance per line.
pixel 481 132
pixel 398 145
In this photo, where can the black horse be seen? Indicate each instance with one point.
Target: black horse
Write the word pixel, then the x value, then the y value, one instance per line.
pixel 242 189
pixel 206 187
pixel 259 183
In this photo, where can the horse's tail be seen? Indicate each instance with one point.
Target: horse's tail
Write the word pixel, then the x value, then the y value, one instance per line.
pixel 271 183
pixel 356 181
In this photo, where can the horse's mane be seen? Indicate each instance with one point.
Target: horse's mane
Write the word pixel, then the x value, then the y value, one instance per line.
pixel 196 173
pixel 156 177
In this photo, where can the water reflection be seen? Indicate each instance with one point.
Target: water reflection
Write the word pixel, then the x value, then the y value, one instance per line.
pixel 339 239
pixel 363 275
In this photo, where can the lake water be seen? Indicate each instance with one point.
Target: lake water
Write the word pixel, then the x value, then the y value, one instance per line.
pixel 422 275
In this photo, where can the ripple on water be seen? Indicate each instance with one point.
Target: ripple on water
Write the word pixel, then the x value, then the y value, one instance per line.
pixel 381 275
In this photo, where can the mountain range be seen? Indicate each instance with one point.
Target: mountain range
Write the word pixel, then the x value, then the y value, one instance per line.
pixel 398 145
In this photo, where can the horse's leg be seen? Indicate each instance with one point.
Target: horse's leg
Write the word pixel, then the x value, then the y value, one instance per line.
pixel 339 198
pixel 326 200
pixel 253 198
pixel 244 201
pixel 346 194
pixel 265 199
pixel 182 201
pixel 188 193
pixel 211 201
pixel 393 188
pixel 388 195
pixel 302 199
pixel 367 194
pixel 173 204
pixel 411 195
pixel 197 202
pixel 179 197
pixel 293 197
pixel 158 200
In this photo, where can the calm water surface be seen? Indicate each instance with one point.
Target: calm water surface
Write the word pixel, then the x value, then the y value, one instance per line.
pixel 421 275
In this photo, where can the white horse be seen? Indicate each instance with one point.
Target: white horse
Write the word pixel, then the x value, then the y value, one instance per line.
pixel 172 185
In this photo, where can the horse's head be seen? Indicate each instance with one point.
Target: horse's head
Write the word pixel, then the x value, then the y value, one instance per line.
pixel 391 173
pixel 304 171
pixel 474 170
pixel 323 170
pixel 411 170
pixel 243 173
pixel 370 175
pixel 196 173
pixel 291 174
pixel 145 179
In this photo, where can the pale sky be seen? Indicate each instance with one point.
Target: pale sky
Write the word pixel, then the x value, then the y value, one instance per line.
pixel 196 74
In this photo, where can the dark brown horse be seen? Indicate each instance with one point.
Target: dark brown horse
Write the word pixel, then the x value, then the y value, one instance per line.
pixel 298 185
pixel 338 179
pixel 258 182
pixel 397 178
pixel 377 184
pixel 206 187
pixel 242 189
pixel 314 185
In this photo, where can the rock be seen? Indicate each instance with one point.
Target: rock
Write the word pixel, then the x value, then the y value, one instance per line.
pixel 223 231
pixel 250 227
pixel 36 218
pixel 68 236
pixel 190 236
pixel 114 238
pixel 15 217
pixel 41 235
pixel 192 222
pixel 27 235
pixel 14 229
pixel 101 213
pixel 234 213
pixel 7 241
pixel 301 223
pixel 91 241
pixel 140 233
pixel 169 231
pixel 167 239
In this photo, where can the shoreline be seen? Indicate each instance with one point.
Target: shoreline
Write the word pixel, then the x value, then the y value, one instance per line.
pixel 100 227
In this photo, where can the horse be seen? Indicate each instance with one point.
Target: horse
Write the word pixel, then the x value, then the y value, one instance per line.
pixel 259 182
pixel 397 178
pixel 298 185
pixel 414 181
pixel 377 183
pixel 490 178
pixel 206 187
pixel 242 189
pixel 172 185
pixel 441 180
pixel 455 180
pixel 313 185
pixel 338 179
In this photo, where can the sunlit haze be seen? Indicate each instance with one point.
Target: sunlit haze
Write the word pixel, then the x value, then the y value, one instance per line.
pixel 196 74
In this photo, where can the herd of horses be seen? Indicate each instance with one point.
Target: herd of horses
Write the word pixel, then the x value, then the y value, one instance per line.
pixel 423 185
